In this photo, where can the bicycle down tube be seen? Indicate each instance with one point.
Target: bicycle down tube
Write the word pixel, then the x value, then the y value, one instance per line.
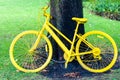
pixel 55 37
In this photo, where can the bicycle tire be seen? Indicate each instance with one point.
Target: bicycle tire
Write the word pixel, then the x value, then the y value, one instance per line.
pixel 25 61
pixel 107 46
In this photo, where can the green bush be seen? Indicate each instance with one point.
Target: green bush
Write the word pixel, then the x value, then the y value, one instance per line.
pixel 109 8
pixel 105 6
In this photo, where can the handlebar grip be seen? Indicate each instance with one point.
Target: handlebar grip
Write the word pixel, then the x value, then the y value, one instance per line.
pixel 45 8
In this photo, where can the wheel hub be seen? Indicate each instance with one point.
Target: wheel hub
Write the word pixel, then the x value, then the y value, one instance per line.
pixel 96 53
pixel 31 51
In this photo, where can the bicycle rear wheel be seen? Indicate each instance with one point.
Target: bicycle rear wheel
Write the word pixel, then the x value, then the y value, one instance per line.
pixel 27 61
pixel 108 52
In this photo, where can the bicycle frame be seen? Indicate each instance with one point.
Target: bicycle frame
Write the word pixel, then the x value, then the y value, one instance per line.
pixel 59 42
pixel 102 57
pixel 70 52
pixel 49 28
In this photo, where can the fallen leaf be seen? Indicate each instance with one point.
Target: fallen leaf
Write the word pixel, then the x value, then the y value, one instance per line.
pixel 73 74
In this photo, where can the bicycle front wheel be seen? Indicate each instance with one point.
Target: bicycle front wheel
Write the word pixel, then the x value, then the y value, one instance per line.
pixel 107 49
pixel 25 60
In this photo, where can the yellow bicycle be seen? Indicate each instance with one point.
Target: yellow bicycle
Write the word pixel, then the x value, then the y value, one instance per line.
pixel 31 51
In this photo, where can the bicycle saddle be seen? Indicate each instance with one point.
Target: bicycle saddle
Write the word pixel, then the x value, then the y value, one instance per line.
pixel 81 20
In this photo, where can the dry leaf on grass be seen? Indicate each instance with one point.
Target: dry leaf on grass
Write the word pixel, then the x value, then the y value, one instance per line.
pixel 73 74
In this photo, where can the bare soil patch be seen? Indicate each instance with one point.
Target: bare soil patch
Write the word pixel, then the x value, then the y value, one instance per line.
pixel 74 71
pixel 113 16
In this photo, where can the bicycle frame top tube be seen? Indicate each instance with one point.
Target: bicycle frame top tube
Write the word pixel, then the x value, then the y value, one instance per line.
pixel 56 38
pixel 49 27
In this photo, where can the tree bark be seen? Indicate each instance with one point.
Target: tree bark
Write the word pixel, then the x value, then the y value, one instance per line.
pixel 62 12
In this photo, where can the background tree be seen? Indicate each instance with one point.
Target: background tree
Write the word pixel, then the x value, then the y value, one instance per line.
pixel 62 12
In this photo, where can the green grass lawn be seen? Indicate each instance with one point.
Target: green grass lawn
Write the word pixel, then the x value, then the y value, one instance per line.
pixel 19 15
pixel 108 26
pixel 15 17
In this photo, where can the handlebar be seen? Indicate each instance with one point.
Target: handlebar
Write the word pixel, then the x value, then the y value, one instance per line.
pixel 45 13
pixel 45 8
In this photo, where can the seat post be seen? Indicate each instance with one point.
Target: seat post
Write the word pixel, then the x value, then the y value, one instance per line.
pixel 74 37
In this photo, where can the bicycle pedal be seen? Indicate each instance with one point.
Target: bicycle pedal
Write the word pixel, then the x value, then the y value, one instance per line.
pixel 66 64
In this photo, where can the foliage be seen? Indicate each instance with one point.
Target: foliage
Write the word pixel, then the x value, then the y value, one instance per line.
pixel 108 8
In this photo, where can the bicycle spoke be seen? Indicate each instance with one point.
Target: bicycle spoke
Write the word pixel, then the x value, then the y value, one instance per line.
pixel 99 61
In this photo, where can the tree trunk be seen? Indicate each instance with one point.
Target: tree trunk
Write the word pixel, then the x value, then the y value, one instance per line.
pixel 62 12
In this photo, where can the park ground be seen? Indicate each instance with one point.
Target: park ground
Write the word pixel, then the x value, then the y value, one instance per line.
pixel 20 15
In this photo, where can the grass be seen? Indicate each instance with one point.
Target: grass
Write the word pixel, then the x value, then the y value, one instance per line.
pixel 18 15
pixel 108 26
pixel 95 22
